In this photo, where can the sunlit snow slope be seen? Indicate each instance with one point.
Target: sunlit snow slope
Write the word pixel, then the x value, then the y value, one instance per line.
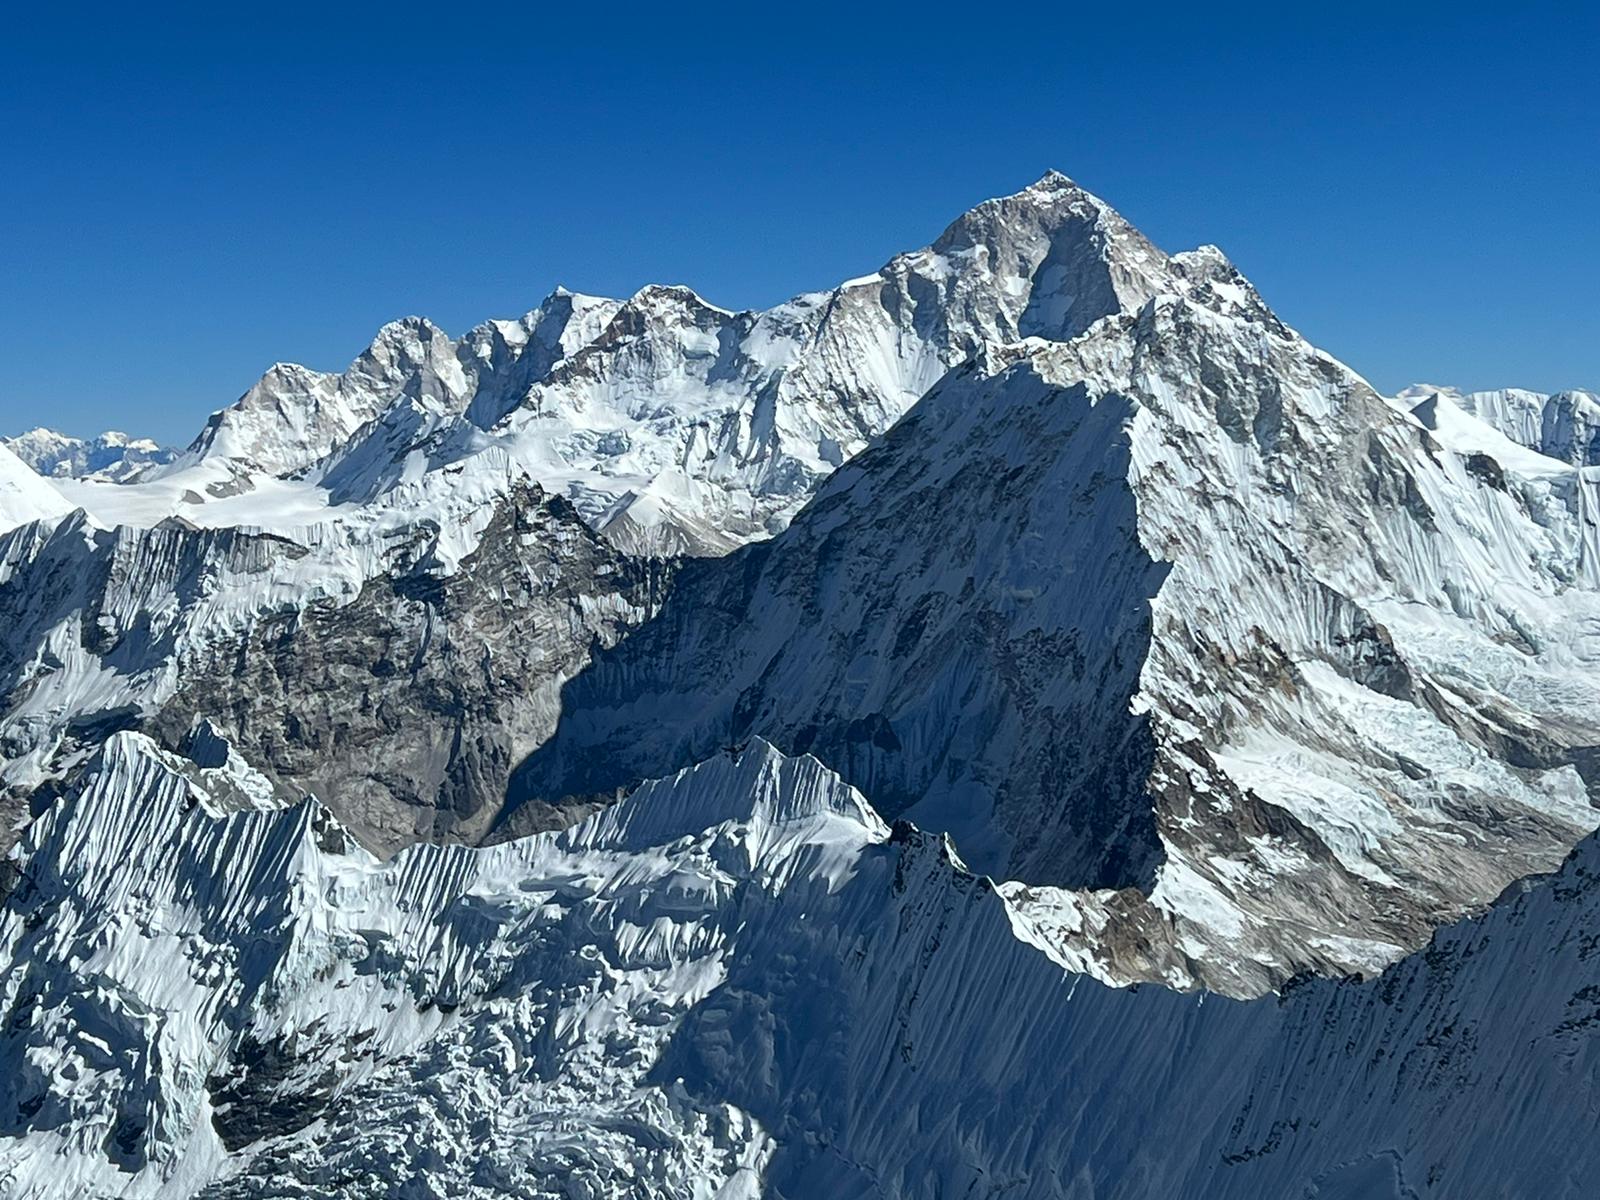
pixel 1180 610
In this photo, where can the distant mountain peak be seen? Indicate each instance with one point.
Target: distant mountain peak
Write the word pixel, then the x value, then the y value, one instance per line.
pixel 112 456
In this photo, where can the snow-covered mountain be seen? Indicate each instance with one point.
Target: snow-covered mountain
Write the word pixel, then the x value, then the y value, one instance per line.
pixel 403 658
pixel 1180 610
pixel 738 981
pixel 671 424
pixel 111 456
pixel 661 420
pixel 24 496
pixel 1561 425
pixel 1060 553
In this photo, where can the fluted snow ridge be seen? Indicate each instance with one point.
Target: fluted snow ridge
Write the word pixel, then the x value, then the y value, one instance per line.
pixel 736 982
pixel 183 981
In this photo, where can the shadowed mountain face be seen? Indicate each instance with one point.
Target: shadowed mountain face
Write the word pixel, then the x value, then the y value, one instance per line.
pixel 406 704
pixel 1176 610
pixel 928 629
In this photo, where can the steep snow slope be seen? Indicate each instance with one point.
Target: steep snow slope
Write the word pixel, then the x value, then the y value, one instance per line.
pixel 1562 425
pixel 258 974
pixel 110 457
pixel 735 982
pixel 24 496
pixel 1180 606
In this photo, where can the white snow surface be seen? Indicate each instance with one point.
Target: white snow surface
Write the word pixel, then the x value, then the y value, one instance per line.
pixel 1562 425
pixel 24 496
pixel 736 982
pixel 1301 541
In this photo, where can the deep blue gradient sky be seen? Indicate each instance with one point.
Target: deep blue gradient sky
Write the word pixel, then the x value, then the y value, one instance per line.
pixel 187 198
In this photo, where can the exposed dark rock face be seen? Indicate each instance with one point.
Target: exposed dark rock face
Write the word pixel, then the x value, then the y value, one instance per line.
pixel 407 708
pixel 404 707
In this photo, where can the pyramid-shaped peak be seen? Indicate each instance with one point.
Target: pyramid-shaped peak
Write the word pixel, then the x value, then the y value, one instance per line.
pixel 1052 188
pixel 404 345
pixel 1053 181
pixel 1051 205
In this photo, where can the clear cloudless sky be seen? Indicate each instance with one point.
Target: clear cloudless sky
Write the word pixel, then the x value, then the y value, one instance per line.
pixel 188 195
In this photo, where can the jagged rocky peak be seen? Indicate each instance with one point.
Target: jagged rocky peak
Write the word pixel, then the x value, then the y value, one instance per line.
pixel 653 331
pixel 568 321
pixel 672 300
pixel 1078 258
pixel 413 357
pixel 747 411
pixel 294 415
pixel 290 416
pixel 511 356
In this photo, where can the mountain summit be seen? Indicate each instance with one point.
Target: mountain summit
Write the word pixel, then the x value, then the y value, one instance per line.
pixel 675 425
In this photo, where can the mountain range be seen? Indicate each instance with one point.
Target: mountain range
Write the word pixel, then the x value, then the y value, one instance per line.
pixel 1022 722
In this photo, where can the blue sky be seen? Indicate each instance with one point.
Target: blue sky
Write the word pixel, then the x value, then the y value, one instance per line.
pixel 187 197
